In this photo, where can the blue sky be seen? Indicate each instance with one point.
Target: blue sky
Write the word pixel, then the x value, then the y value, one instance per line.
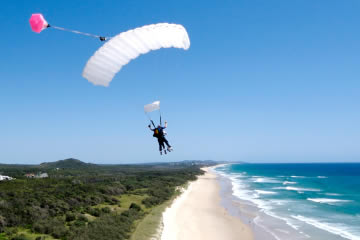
pixel 274 81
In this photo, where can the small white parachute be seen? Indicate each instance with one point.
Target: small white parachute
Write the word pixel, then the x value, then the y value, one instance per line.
pixel 152 107
pixel 121 49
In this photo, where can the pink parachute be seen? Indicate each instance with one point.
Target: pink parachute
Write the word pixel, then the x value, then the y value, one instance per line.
pixel 38 22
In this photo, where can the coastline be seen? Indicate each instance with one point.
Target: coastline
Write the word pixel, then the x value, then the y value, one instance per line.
pixel 240 208
pixel 260 222
pixel 273 210
pixel 198 213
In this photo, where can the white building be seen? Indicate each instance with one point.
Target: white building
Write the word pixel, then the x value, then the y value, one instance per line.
pixel 4 178
pixel 42 175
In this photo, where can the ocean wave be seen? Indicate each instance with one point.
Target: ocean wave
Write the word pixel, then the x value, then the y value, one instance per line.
pixel 280 202
pixel 230 175
pixel 288 221
pixel 322 177
pixel 241 190
pixel 225 175
pixel 237 175
pixel 337 229
pixel 298 189
pixel 333 194
pixel 329 201
pixel 242 193
pixel 288 182
pixel 257 221
pixel 264 180
pixel 297 176
pixel 265 192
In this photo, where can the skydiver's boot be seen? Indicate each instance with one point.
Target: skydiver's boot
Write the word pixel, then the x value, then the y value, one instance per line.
pixel 170 149
pixel 160 152
pixel 165 152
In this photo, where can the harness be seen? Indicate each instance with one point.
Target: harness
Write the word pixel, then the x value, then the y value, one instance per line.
pixel 158 132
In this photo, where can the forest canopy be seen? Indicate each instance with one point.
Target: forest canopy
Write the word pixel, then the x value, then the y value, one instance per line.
pixel 85 201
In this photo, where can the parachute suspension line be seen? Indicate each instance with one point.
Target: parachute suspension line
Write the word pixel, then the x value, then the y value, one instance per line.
pixel 152 122
pixel 155 106
pixel 160 118
pixel 81 33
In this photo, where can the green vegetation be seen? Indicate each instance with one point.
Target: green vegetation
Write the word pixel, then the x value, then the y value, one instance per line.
pixel 25 234
pixel 149 225
pixel 82 201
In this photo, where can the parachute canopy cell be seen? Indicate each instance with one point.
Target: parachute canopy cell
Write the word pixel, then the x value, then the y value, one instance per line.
pixel 38 22
pixel 121 49
pixel 152 107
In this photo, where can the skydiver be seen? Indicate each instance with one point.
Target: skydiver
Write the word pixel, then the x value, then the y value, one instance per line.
pixel 159 133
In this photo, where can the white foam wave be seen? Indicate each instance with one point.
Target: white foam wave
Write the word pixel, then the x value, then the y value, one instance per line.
pixel 236 175
pixel 288 182
pixel 337 229
pixel 333 194
pixel 286 220
pixel 329 201
pixel 298 189
pixel 265 192
pixel 279 202
pixel 257 221
pixel 241 191
pixel 297 176
pixel 321 177
pixel 264 180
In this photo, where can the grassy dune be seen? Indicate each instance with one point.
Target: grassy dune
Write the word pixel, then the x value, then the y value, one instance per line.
pixel 22 233
pixel 149 227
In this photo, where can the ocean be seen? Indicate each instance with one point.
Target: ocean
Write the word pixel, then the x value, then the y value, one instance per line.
pixel 298 201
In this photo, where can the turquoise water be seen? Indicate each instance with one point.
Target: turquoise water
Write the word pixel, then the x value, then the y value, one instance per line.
pixel 308 201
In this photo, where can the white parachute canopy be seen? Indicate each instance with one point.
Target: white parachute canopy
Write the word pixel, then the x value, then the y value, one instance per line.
pixel 152 107
pixel 119 50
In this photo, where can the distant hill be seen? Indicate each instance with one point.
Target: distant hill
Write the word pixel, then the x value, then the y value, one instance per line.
pixel 69 163
pixel 72 163
pixel 185 163
pixel 196 162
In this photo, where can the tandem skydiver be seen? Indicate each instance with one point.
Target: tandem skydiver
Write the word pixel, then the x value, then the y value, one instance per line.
pixel 159 133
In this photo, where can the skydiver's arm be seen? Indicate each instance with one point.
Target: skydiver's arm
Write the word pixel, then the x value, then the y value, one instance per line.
pixel 149 126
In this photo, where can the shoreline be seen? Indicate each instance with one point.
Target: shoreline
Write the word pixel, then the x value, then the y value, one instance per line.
pixel 240 208
pixel 283 215
pixel 198 213
pixel 260 222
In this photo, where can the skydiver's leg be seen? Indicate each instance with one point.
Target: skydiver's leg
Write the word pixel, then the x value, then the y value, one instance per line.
pixel 166 142
pixel 160 144
pixel 163 145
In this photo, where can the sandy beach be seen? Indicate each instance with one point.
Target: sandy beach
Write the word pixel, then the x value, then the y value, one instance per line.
pixel 197 215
